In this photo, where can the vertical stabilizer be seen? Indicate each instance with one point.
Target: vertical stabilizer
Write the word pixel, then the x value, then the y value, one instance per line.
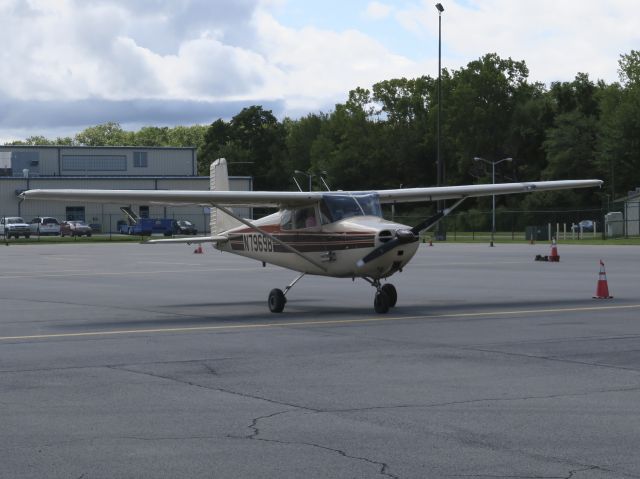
pixel 219 181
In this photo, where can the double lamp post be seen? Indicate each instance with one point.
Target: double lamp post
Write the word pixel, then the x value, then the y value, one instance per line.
pixel 493 197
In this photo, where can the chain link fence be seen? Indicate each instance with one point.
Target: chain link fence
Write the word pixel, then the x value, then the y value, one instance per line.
pixel 474 224
pixel 525 225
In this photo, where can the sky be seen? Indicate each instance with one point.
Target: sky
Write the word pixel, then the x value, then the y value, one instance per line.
pixel 69 64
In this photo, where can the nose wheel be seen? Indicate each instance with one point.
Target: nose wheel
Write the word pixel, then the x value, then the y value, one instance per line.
pixel 386 296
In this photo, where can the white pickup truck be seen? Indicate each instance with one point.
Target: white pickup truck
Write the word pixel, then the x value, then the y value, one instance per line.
pixel 14 226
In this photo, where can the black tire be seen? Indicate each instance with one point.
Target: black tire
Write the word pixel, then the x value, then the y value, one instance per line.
pixel 26 236
pixel 276 301
pixel 391 292
pixel 381 302
pixel 88 235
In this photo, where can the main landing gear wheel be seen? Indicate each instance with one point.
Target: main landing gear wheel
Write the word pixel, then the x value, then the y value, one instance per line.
pixel 391 292
pixel 276 301
pixel 277 298
pixel 381 302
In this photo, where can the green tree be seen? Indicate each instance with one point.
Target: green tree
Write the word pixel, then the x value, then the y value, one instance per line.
pixel 254 144
pixel 151 136
pixel 479 112
pixel 106 134
pixel 300 137
pixel 187 136
pixel 629 68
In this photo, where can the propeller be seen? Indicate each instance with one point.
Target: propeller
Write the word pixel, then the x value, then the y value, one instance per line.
pixel 404 236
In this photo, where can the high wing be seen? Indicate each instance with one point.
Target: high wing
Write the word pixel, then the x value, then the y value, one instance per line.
pixel 293 198
pixel 408 195
pixel 179 197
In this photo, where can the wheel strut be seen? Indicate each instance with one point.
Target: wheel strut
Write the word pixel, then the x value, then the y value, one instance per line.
pixel 290 285
pixel 277 298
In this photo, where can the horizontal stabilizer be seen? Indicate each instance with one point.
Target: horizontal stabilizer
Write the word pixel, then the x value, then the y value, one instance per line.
pixel 193 240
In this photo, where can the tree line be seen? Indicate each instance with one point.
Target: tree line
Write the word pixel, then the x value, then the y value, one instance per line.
pixel 385 137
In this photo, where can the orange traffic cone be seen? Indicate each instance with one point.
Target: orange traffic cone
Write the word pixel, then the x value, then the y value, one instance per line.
pixel 602 290
pixel 430 242
pixel 554 252
pixel 198 250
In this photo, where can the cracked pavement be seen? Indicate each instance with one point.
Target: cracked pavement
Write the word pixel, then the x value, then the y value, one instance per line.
pixel 455 382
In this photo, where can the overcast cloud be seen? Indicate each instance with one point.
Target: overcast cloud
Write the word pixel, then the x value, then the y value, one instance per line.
pixel 69 64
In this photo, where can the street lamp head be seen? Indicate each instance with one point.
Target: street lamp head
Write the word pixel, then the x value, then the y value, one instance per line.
pixel 298 172
pixel 477 158
pixel 508 159
pixel 440 7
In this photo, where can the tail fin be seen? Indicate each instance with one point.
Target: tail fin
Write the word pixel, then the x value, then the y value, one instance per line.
pixel 219 181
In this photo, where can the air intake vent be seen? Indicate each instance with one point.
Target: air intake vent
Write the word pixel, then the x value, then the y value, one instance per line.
pixel 385 235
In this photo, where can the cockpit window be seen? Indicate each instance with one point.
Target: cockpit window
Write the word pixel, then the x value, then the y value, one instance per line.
pixel 299 218
pixel 338 207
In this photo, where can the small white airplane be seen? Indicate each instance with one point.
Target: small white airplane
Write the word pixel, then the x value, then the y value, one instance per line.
pixel 332 233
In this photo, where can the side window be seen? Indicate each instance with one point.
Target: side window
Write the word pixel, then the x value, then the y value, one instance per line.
pixel 299 219
pixel 285 220
pixel 305 218
pixel 144 212
pixel 325 214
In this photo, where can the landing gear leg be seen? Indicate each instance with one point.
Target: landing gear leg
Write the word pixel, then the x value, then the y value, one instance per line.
pixel 277 298
pixel 386 296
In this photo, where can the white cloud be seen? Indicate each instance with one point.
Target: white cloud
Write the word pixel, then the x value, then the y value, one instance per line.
pixel 114 50
pixel 557 39
pixel 378 10
pixel 320 66
pixel 61 53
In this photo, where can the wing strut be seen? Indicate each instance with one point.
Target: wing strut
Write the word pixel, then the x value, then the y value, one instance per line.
pixel 273 238
pixel 435 219
pixel 408 236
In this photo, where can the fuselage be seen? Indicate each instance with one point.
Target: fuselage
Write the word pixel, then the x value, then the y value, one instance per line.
pixel 327 238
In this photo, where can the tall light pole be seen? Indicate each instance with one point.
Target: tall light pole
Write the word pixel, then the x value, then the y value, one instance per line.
pixel 440 168
pixel 493 197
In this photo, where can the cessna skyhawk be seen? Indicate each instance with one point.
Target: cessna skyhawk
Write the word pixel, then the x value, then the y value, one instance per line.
pixel 332 233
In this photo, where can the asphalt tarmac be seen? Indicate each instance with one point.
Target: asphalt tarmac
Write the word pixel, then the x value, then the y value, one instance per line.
pixel 127 360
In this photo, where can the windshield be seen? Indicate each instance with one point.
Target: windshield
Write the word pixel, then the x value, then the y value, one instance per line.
pixel 341 206
pixel 14 221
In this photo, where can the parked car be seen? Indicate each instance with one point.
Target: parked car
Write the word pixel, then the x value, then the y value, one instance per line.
pixel 184 227
pixel 14 226
pixel 45 225
pixel 75 228
pixel 584 226
pixel 147 227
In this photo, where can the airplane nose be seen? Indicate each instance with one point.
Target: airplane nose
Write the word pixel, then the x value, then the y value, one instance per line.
pixel 405 236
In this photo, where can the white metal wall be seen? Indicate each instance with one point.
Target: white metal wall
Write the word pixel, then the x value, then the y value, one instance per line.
pixel 108 215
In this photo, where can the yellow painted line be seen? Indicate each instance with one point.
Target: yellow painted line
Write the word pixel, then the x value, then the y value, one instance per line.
pixel 62 274
pixel 328 322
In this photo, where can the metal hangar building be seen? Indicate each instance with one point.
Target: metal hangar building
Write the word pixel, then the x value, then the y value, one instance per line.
pixel 136 168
